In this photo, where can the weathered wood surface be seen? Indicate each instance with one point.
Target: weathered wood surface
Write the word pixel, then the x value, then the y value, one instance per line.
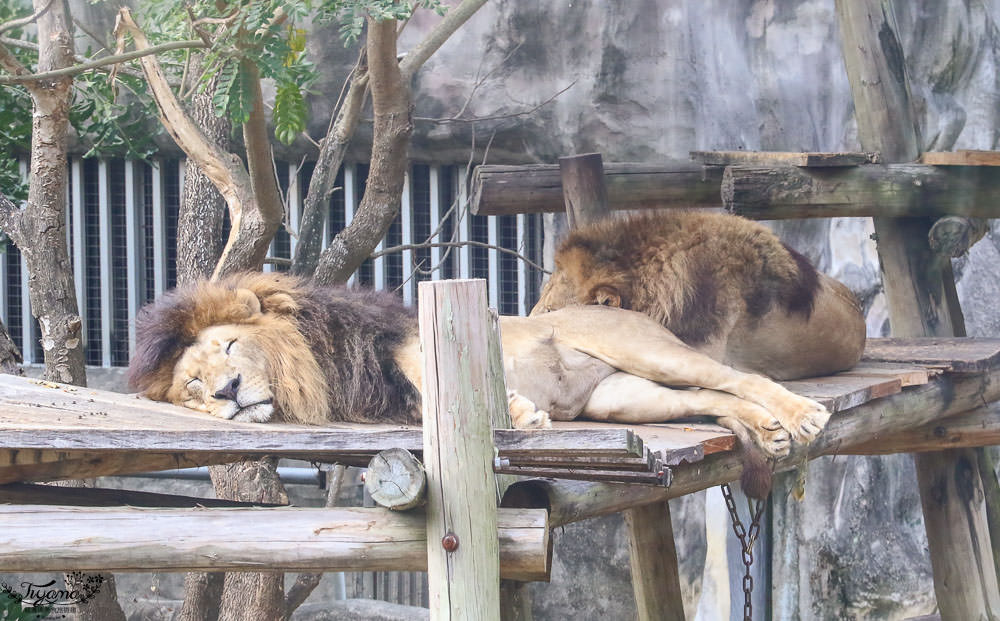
pixel 952 236
pixel 41 538
pixel 961 157
pixel 783 158
pixel 975 428
pixel 653 560
pixel 889 190
pixel 463 571
pixel 501 190
pixel 584 191
pixel 958 355
pixel 27 494
pixel 396 480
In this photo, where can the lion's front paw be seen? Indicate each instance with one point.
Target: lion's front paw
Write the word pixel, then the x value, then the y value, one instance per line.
pixel 524 414
pixel 802 417
pixel 765 430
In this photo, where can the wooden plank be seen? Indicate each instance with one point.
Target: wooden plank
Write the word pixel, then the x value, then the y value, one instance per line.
pixel 89 465
pixel 954 354
pixel 784 158
pixel 217 539
pixel 961 157
pixel 462 568
pixel 908 375
pixel 28 494
pixel 501 190
pixel 653 560
pixel 889 190
pixel 661 477
pixel 841 392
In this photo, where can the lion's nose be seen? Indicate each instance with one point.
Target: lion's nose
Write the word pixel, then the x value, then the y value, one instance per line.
pixel 230 390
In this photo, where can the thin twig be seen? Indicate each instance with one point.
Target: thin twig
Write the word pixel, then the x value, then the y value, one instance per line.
pixel 474 244
pixel 24 21
pixel 101 62
pixel 497 117
pixel 33 47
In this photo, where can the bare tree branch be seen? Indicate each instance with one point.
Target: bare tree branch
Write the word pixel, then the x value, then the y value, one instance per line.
pixel 10 63
pixel 24 21
pixel 331 156
pixel 252 228
pixel 101 62
pixel 459 244
pixel 497 117
pixel 31 46
pixel 451 22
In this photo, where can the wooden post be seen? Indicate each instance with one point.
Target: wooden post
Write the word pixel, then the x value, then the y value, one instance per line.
pixel 655 578
pixel 919 287
pixel 583 188
pixel 463 564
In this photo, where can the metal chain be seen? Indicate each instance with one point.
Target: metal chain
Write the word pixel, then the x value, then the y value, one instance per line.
pixel 747 540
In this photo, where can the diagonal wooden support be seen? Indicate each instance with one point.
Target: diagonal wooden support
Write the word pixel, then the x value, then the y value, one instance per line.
pixel 922 302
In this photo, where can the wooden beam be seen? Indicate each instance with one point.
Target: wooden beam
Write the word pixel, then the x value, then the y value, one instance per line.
pixel 952 236
pixel 502 190
pixel 961 157
pixel 396 480
pixel 783 158
pixel 280 539
pixel 584 191
pixel 462 567
pixel 889 190
pixel 975 428
pixel 653 558
pixel 27 494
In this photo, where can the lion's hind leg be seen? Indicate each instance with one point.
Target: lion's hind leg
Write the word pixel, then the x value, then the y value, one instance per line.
pixel 625 398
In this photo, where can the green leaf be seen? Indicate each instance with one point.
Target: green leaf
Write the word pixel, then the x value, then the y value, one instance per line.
pixel 289 113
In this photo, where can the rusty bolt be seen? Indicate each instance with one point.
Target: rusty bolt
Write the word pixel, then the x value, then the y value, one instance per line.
pixel 450 542
pixel 363 476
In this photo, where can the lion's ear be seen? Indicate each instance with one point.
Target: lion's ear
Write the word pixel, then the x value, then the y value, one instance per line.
pixel 280 303
pixel 606 295
pixel 249 299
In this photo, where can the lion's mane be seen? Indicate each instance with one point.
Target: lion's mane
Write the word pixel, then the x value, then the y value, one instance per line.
pixel 329 349
pixel 689 270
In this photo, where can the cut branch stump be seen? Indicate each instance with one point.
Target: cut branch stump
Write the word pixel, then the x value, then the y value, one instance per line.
pixel 396 480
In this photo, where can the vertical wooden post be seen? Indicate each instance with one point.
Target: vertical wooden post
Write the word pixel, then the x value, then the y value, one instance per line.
pixel 584 192
pixel 655 578
pixel 463 563
pixel 653 558
pixel 921 290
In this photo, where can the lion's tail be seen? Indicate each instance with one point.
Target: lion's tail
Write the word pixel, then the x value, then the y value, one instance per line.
pixel 756 477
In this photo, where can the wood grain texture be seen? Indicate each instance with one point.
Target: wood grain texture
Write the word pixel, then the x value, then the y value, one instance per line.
pixel 501 190
pixel 462 568
pixel 39 538
pixel 653 559
pixel 396 480
pixel 783 158
pixel 961 157
pixel 584 191
pixel 889 190
pixel 955 354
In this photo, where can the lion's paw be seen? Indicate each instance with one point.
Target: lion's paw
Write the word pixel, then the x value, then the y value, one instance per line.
pixel 802 417
pixel 765 430
pixel 525 415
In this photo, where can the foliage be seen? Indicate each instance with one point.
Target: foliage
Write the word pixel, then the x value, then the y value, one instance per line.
pixel 11 608
pixel 352 13
pixel 15 124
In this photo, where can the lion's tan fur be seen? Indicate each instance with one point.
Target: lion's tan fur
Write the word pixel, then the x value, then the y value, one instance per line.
pixel 723 284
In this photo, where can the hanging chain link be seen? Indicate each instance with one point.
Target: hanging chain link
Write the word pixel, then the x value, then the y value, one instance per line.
pixel 747 540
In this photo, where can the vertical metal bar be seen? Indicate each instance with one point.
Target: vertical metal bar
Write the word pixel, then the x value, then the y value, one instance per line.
pixel 493 275
pixel 4 283
pixel 104 222
pixel 350 196
pixel 522 269
pixel 294 205
pixel 159 232
pixel 435 217
pixel 133 249
pixel 406 209
pixel 79 231
pixel 27 321
pixel 463 223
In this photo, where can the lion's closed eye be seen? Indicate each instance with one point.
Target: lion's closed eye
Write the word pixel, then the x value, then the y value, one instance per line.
pixel 229 347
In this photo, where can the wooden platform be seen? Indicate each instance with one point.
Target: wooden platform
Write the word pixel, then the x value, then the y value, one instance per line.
pixel 52 431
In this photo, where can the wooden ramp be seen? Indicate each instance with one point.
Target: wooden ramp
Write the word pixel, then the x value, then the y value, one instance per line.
pixel 52 431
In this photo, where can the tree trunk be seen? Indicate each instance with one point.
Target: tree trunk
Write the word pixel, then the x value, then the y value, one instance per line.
pixel 10 357
pixel 392 106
